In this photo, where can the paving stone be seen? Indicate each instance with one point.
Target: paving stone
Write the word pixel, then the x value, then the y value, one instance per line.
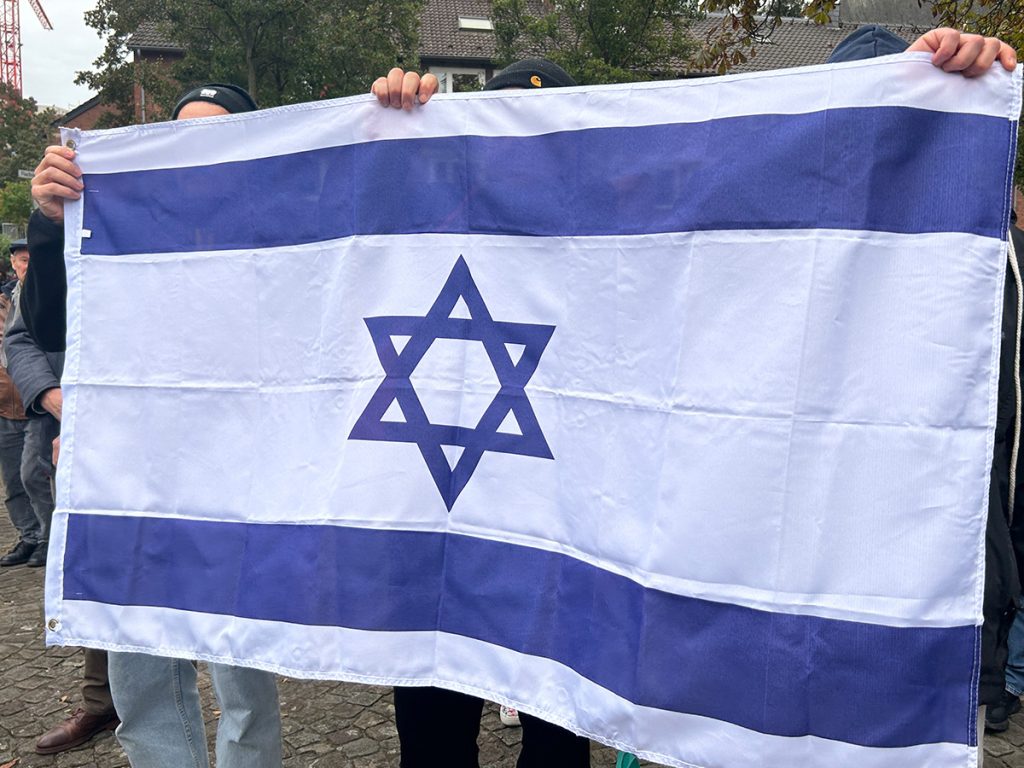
pixel 332 760
pixel 364 698
pixel 1015 733
pixel 368 719
pixel 382 732
pixel 373 761
pixel 360 747
pixel 997 747
pixel 301 737
pixel 340 738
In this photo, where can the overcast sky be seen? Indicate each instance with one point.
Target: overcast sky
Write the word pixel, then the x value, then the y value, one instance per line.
pixel 51 59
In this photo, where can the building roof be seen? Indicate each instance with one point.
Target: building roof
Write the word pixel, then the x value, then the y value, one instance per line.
pixel 798 42
pixel 441 38
pixel 151 36
pixel 795 42
pixel 78 111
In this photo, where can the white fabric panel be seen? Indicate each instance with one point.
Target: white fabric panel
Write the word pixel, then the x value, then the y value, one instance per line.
pixel 553 688
pixel 909 81
pixel 786 411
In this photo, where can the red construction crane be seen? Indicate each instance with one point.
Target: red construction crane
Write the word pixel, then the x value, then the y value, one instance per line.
pixel 10 41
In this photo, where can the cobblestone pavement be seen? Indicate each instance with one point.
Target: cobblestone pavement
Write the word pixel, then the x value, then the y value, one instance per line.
pixel 326 725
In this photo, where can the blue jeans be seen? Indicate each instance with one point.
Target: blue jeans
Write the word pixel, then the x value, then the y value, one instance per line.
pixel 1015 661
pixel 162 723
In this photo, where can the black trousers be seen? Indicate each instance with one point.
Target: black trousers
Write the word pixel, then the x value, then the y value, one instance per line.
pixel 439 728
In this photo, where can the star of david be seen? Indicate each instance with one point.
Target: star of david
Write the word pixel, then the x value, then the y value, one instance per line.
pixel 511 398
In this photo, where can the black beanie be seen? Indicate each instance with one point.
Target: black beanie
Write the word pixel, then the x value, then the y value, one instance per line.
pixel 231 97
pixel 531 73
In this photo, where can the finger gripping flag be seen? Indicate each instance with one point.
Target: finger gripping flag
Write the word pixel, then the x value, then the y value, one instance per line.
pixel 663 412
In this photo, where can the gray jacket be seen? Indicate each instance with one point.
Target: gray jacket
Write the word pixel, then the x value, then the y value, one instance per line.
pixel 33 370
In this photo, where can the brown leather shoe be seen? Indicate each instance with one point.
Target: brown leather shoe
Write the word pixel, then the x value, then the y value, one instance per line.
pixel 75 731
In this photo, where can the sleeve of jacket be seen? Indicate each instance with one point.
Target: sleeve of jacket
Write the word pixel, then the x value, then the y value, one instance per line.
pixel 29 366
pixel 1017 527
pixel 44 294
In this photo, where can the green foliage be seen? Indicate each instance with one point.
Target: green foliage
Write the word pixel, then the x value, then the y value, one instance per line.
pixel 790 8
pixel 24 134
pixel 466 83
pixel 282 51
pixel 746 24
pixel 600 41
pixel 16 202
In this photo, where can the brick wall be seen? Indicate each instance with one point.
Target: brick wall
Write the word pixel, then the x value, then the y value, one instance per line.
pixel 87 120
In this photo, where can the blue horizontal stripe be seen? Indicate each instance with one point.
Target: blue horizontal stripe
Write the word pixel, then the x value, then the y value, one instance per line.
pixel 837 169
pixel 774 673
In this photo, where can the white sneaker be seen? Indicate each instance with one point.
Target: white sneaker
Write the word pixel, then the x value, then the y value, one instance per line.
pixel 509 716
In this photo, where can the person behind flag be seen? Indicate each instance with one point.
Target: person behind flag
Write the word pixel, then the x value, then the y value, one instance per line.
pixel 36 376
pixel 433 721
pixel 1002 581
pixel 157 698
pixel 1006 702
pixel 26 477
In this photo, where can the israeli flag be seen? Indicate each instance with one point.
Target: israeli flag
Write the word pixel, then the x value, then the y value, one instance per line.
pixel 663 412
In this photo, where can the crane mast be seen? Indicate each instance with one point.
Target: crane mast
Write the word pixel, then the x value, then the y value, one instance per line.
pixel 10 41
pixel 10 46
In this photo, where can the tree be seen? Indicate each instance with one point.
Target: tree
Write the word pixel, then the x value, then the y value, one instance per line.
pixel 24 133
pixel 789 8
pixel 116 76
pixel 16 203
pixel 283 51
pixel 600 41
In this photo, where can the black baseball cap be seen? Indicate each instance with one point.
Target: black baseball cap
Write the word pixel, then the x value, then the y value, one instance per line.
pixel 531 73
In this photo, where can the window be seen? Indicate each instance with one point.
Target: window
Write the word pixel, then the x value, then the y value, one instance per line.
pixel 459 79
pixel 475 24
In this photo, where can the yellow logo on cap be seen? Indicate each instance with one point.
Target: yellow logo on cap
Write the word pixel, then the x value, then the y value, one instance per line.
pixel 535 79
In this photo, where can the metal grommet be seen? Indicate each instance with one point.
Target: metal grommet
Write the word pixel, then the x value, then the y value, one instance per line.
pixel 53 624
pixel 70 144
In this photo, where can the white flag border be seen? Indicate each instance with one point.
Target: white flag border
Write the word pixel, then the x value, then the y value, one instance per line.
pixel 251 135
pixel 663 732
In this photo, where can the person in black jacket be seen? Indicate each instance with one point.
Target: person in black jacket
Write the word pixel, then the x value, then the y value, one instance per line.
pixel 432 721
pixel 47 283
pixel 1002 670
pixel 1002 563
pixel 156 697
pixel 436 724
pixel 36 375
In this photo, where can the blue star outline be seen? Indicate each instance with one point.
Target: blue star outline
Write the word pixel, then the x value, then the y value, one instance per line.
pixel 510 398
